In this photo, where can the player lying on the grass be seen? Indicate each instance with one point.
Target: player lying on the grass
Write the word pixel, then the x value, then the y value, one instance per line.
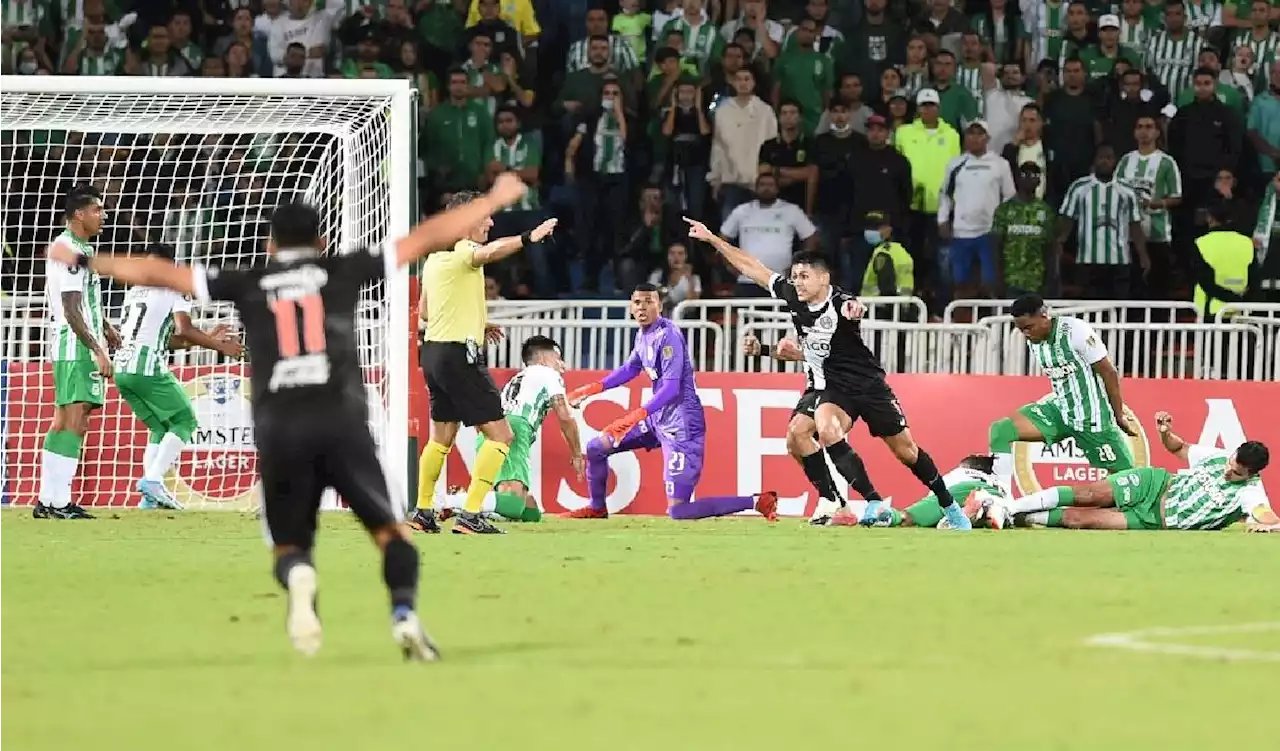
pixel 802 435
pixel 845 379
pixel 526 399
pixel 310 410
pixel 974 482
pixel 1085 403
pixel 1219 488
pixel 78 349
pixel 671 420
pixel 157 320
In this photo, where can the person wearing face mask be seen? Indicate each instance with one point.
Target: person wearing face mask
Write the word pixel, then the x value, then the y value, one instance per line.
pixel 27 65
pixel 882 185
pixel 891 270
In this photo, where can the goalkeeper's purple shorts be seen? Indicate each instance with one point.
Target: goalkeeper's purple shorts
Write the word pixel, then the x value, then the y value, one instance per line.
pixel 681 460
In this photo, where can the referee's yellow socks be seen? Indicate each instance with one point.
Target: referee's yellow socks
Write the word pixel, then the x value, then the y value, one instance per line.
pixel 489 461
pixel 430 465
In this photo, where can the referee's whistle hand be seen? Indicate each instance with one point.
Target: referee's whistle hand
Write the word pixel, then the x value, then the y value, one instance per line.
pixel 508 189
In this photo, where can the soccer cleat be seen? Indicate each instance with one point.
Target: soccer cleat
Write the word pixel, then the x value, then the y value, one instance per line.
pixel 302 621
pixel 955 519
pixel 70 511
pixel 40 511
pixel 998 514
pixel 871 513
pixel 424 520
pixel 823 513
pixel 146 504
pixel 158 494
pixel 843 518
pixel 412 638
pixel 767 505
pixel 474 524
pixel 588 512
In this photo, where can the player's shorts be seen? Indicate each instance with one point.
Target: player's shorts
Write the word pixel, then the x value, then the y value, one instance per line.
pixel 927 512
pixel 516 466
pixel 964 251
pixel 1139 495
pixel 1108 449
pixel 879 408
pixel 157 400
pixel 77 382
pixel 681 460
pixel 459 383
pixel 301 453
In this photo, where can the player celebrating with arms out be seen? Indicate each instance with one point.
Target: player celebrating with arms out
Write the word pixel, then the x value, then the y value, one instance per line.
pixel 310 409
pixel 1220 488
pixel 81 335
pixel 461 390
pixel 845 380
pixel 1085 403
pixel 672 420
pixel 158 319
pixel 526 400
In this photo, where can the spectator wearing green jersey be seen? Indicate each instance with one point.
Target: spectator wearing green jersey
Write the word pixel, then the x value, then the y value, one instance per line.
pixel 514 151
pixel 1023 234
pixel 956 106
pixel 805 75
pixel 1155 177
pixel 457 137
pixel 1228 95
pixel 367 58
pixel 1100 59
pixel 1002 31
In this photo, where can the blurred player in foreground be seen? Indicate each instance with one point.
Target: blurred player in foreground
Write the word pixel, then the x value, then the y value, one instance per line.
pixel 1220 488
pixel 672 420
pixel 973 483
pixel 453 356
pixel 526 400
pixel 845 381
pixel 310 410
pixel 1085 403
pixel 157 320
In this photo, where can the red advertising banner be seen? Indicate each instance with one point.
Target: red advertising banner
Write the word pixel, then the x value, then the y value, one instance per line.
pixel 747 415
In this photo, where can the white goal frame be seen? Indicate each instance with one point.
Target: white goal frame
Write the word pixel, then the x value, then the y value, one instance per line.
pixel 399 175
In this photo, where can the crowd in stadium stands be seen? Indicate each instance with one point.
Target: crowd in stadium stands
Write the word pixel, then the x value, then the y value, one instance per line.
pixel 929 147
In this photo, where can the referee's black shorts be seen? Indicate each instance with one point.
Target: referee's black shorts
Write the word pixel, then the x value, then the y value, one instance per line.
pixel 459 383
pixel 301 453
pixel 877 407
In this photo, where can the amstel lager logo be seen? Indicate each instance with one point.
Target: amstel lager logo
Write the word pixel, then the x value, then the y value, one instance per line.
pixel 220 465
pixel 1038 466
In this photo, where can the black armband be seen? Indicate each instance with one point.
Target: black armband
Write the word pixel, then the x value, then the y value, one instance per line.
pixel 526 239
pixel 765 350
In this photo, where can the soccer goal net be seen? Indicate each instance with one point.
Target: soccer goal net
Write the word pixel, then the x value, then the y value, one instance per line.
pixel 198 164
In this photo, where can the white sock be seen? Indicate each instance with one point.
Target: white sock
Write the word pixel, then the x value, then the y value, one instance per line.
pixel 1003 470
pixel 148 456
pixel 62 472
pixel 1040 518
pixel 47 475
pixel 166 454
pixel 1045 500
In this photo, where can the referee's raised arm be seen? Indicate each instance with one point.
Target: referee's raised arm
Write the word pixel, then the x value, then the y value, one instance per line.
pixel 441 231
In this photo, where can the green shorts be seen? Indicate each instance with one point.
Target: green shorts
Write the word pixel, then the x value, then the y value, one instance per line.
pixel 158 400
pixel 77 382
pixel 1108 449
pixel 1139 494
pixel 516 467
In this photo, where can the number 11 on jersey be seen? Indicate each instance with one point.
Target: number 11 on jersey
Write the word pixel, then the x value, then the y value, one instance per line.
pixel 303 361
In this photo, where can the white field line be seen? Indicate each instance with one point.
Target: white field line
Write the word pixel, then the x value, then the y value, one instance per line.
pixel 1143 641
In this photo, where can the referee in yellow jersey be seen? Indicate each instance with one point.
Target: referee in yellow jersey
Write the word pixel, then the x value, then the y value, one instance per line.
pixel 453 361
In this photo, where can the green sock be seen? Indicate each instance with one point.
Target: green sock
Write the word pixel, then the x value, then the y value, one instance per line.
pixel 63 443
pixel 895 517
pixel 1066 496
pixel 532 514
pixel 509 506
pixel 1055 518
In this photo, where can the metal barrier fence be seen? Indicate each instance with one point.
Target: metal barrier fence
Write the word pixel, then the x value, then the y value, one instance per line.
pixel 1144 338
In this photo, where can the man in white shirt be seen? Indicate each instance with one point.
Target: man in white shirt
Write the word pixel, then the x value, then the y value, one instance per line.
pixel 973 186
pixel 742 124
pixel 766 229
pixel 303 26
pixel 1002 103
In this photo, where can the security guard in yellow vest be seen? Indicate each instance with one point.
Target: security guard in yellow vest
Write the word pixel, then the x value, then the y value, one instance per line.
pixel 1225 266
pixel 891 270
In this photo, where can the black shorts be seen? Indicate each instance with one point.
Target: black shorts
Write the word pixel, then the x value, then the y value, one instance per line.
pixel 302 455
pixel 459 383
pixel 878 408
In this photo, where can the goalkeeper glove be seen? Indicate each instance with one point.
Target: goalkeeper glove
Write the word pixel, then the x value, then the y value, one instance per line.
pixel 582 392
pixel 619 428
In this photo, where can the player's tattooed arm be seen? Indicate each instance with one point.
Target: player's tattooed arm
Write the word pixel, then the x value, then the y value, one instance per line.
pixel 1111 384
pixel 75 319
pixel 739 259
pixel 1172 442
pixel 217 340
pixel 112 334
pixel 569 429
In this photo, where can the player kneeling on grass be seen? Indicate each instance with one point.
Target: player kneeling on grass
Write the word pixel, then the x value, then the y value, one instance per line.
pixel 672 420
pixel 526 400
pixel 974 483
pixel 158 320
pixel 1220 488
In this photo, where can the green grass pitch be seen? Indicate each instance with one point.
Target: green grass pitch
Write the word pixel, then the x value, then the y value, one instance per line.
pixel 165 631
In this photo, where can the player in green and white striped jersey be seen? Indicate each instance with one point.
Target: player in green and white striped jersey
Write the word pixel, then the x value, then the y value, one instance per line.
pixel 1261 41
pixel 1085 404
pixel 1136 27
pixel 1172 51
pixel 1155 178
pixel 1047 29
pixel 156 321
pixel 79 338
pixel 969 67
pixel 702 40
pixel 1219 488
pixel 1106 214
pixel 973 483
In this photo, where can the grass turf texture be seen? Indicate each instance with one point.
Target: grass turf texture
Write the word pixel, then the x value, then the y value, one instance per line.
pixel 152 630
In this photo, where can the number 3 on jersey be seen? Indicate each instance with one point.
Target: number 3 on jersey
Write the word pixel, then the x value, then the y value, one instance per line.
pixel 303 361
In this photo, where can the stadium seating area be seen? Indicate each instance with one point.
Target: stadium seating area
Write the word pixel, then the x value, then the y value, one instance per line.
pixel 627 117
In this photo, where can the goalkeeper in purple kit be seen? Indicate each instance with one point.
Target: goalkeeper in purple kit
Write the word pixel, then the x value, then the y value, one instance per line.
pixel 672 420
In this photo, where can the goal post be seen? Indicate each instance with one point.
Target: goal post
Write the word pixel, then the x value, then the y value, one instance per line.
pixel 198 163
